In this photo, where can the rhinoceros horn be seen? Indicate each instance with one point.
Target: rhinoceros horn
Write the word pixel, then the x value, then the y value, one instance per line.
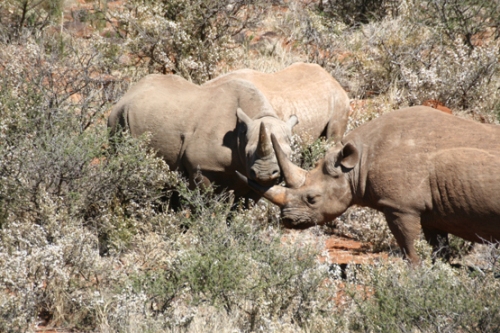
pixel 264 147
pixel 276 194
pixel 294 176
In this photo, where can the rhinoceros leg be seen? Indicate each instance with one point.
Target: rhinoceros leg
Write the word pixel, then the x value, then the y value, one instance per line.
pixel 335 130
pixel 439 242
pixel 405 228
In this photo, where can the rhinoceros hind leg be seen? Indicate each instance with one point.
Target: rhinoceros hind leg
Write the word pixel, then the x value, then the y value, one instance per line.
pixel 439 242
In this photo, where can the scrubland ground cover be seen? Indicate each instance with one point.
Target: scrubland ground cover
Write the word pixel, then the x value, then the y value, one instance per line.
pixel 87 240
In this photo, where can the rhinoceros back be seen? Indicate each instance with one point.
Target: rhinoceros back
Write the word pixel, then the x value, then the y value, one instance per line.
pixel 305 90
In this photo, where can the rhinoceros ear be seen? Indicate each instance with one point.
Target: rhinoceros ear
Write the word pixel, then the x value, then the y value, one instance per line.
pixel 292 121
pixel 242 116
pixel 349 156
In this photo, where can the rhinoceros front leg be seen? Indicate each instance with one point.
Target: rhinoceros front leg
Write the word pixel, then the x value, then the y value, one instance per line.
pixel 336 128
pixel 405 228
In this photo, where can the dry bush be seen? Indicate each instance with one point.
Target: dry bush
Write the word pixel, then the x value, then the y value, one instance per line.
pixel 465 20
pixel 359 11
pixel 20 16
pixel 64 199
pixel 460 78
pixel 188 38
pixel 404 57
pixel 86 241
pixel 430 298
pixel 366 225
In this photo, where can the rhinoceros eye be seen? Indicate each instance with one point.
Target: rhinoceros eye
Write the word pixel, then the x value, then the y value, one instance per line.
pixel 312 199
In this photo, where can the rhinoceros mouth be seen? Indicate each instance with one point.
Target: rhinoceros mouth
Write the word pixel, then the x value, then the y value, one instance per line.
pixel 296 220
pixel 269 182
pixel 290 224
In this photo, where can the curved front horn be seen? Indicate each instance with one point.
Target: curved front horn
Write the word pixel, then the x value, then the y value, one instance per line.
pixel 276 194
pixel 294 176
pixel 264 147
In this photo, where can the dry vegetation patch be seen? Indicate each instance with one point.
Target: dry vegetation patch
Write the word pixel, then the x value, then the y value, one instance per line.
pixel 87 242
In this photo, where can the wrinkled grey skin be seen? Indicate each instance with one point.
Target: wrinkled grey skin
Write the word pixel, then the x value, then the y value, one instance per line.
pixel 215 130
pixel 425 170
pixel 304 90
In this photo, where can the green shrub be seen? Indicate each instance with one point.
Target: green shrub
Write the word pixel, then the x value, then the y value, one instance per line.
pixel 230 265
pixel 64 198
pixel 306 155
pixel 54 148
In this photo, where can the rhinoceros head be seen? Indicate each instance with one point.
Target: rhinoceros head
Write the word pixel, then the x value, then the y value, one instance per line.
pixel 259 156
pixel 312 197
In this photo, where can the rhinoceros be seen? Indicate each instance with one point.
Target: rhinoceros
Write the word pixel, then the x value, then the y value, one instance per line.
pixel 305 90
pixel 206 132
pixel 424 169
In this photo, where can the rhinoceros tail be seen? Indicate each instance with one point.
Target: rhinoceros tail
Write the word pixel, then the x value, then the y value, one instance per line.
pixel 117 124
